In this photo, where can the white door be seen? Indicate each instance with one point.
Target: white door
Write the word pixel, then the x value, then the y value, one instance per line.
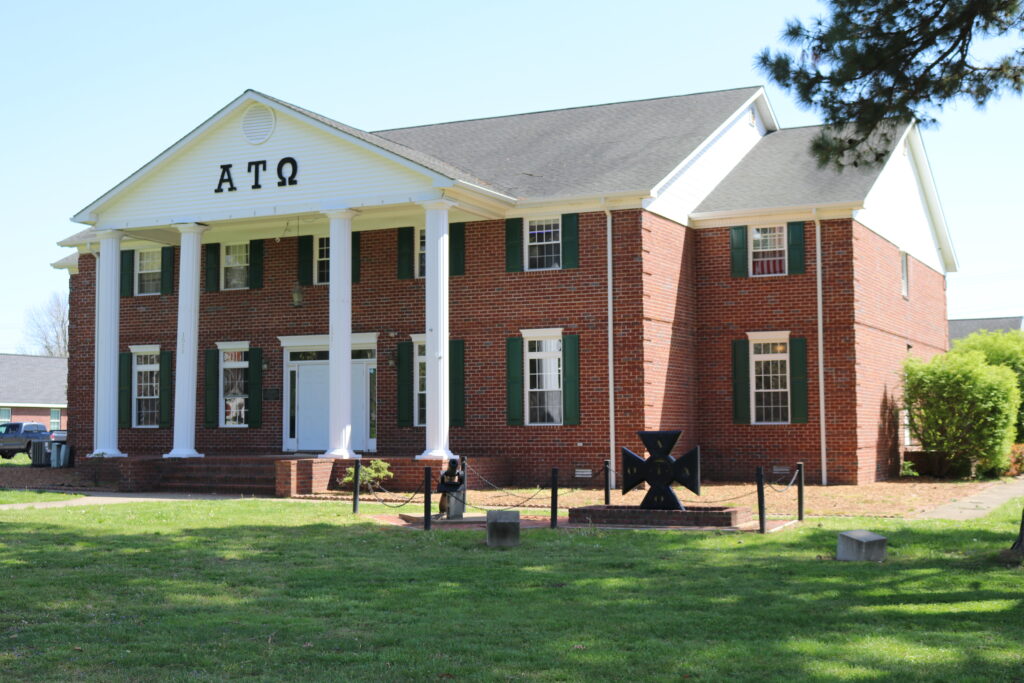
pixel 311 407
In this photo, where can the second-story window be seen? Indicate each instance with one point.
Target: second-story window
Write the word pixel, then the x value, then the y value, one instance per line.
pixel 543 244
pixel 147 272
pixel 236 266
pixel 421 252
pixel 322 260
pixel 768 250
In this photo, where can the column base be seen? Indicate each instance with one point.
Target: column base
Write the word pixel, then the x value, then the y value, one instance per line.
pixel 183 453
pixel 107 453
pixel 341 454
pixel 437 454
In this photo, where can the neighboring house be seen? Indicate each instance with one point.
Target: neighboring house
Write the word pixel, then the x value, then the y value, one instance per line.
pixel 34 389
pixel 531 289
pixel 963 327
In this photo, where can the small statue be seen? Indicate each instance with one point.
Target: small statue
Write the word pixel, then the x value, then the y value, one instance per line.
pixel 452 487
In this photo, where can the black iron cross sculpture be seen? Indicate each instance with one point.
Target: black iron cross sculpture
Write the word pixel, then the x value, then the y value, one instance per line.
pixel 660 470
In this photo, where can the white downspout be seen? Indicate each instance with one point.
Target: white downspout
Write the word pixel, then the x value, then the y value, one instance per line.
pixel 821 347
pixel 611 346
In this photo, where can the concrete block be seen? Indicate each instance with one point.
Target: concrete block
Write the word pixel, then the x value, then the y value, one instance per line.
pixel 860 546
pixel 502 528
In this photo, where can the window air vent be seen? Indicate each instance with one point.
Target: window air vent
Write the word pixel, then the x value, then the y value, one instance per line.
pixel 258 123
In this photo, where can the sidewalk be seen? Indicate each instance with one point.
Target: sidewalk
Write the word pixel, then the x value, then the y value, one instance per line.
pixel 109 498
pixel 979 504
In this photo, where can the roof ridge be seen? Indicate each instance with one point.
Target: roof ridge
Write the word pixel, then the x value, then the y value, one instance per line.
pixel 582 106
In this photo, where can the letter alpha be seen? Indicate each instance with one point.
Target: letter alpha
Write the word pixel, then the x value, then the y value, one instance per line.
pixel 225 177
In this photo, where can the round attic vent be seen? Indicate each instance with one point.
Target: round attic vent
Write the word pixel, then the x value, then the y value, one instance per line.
pixel 258 123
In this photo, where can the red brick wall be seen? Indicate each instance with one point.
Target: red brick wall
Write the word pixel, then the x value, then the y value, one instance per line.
pixel 81 356
pixel 41 415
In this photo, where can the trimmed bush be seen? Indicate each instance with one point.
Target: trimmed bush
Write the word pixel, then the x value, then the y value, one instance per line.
pixel 371 474
pixel 963 407
pixel 1000 348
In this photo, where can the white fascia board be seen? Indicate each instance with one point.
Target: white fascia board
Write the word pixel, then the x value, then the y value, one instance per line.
pixel 508 199
pixel 89 215
pixel 34 405
pixel 632 199
pixel 935 213
pixel 710 219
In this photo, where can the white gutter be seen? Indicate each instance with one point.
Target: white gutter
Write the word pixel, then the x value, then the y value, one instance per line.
pixel 611 345
pixel 821 347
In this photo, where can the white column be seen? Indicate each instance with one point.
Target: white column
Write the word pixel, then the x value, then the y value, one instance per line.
pixel 187 350
pixel 437 331
pixel 108 331
pixel 339 437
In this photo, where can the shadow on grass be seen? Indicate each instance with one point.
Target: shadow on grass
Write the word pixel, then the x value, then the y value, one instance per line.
pixel 297 595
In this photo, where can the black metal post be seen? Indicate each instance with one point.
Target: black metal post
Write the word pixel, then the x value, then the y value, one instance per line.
pixel 554 497
pixel 800 491
pixel 426 498
pixel 607 482
pixel 355 491
pixel 760 500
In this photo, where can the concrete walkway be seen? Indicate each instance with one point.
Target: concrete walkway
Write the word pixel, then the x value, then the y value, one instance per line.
pixel 980 504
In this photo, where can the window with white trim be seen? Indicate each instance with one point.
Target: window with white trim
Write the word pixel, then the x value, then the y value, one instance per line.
pixel 768 250
pixel 5 415
pixel 769 380
pixel 145 386
pixel 234 384
pixel 147 272
pixel 543 381
pixel 421 252
pixel 419 383
pixel 235 269
pixel 54 418
pixel 543 243
pixel 322 261
pixel 904 274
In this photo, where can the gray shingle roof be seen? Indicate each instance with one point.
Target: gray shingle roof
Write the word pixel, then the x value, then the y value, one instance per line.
pixel 960 328
pixel 780 171
pixel 33 379
pixel 593 150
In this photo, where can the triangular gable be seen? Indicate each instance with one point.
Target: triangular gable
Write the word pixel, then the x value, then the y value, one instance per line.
pixel 319 161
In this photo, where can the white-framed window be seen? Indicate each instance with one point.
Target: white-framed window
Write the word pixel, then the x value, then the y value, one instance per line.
pixel 904 274
pixel 421 252
pixel 147 272
pixel 542 366
pixel 542 243
pixel 322 261
pixel 767 250
pixel 769 377
pixel 54 418
pixel 5 415
pixel 234 383
pixel 145 386
pixel 419 380
pixel 235 268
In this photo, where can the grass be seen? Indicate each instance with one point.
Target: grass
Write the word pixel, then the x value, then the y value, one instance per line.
pixel 11 496
pixel 19 460
pixel 277 590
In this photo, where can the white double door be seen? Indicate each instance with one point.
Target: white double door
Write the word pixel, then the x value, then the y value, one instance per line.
pixel 308 419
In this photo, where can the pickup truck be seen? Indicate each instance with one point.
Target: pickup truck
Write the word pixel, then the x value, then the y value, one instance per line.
pixel 17 437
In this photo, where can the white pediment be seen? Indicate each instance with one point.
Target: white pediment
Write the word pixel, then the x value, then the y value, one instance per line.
pixel 303 165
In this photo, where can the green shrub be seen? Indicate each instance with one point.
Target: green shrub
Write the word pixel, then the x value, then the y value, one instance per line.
pixel 1000 348
pixel 963 407
pixel 371 473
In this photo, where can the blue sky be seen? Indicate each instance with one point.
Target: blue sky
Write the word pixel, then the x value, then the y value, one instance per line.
pixel 95 90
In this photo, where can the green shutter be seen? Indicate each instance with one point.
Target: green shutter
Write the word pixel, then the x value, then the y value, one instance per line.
pixel 403 366
pixel 570 241
pixel 165 389
pixel 406 253
pixel 305 264
pixel 211 392
pixel 124 390
pixel 167 270
pixel 798 379
pixel 357 240
pixel 457 382
pixel 513 246
pixel 795 247
pixel 256 264
pixel 514 380
pixel 570 379
pixel 738 250
pixel 127 272
pixel 741 381
pixel 457 249
pixel 255 418
pixel 212 267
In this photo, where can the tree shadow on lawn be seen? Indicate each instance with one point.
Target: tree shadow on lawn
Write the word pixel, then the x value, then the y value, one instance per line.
pixel 354 600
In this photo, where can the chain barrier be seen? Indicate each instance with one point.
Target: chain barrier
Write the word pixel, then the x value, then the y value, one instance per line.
pixel 720 500
pixel 385 504
pixel 772 486
pixel 522 503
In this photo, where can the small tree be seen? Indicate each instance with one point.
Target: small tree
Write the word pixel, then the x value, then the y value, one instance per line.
pixel 371 474
pixel 46 326
pixel 962 407
pixel 1000 348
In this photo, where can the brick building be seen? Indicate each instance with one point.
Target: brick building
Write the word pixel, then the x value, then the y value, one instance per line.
pixel 528 291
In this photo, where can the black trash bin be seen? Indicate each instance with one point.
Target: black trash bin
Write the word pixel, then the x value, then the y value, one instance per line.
pixel 40 454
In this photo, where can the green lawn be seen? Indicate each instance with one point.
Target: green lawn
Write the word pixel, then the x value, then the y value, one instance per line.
pixel 279 590
pixel 17 461
pixel 8 496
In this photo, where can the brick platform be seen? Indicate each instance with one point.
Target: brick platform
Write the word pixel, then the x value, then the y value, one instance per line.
pixel 628 515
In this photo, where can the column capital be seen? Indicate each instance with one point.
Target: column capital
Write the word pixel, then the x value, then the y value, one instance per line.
pixel 109 233
pixel 437 204
pixel 190 227
pixel 340 214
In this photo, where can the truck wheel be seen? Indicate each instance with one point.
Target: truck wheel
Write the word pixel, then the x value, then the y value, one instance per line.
pixel 6 455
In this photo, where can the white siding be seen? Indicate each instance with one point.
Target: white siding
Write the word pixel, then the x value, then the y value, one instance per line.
pixel 331 169
pixel 895 208
pixel 687 187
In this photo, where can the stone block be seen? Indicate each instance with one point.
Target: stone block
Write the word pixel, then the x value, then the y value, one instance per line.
pixel 860 546
pixel 502 528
